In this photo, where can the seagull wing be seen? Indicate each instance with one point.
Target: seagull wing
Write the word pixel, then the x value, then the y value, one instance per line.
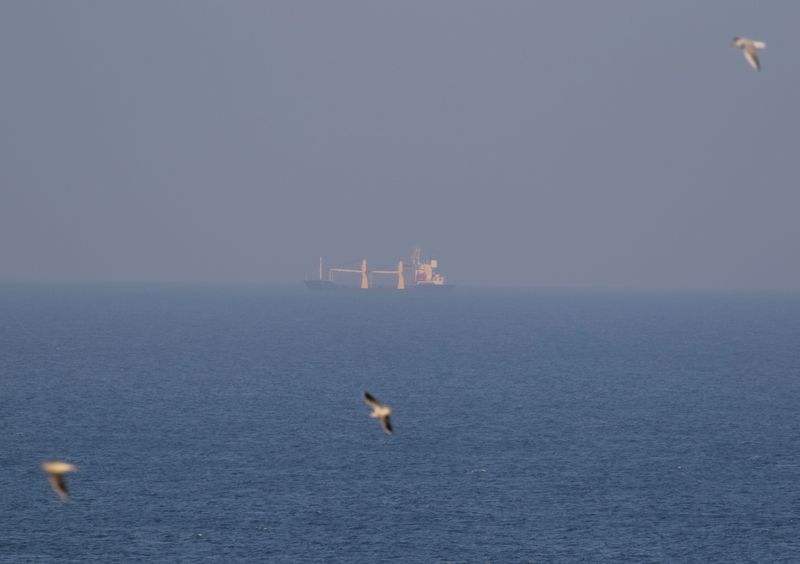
pixel 759 45
pixel 59 484
pixel 752 57
pixel 386 424
pixel 370 400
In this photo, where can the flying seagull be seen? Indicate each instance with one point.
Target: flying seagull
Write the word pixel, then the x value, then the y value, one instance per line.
pixel 750 49
pixel 56 470
pixel 379 411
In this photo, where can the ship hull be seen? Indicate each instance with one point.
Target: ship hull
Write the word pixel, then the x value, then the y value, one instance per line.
pixel 320 285
pixel 327 285
pixel 432 288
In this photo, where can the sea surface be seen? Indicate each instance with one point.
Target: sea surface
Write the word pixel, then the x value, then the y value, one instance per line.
pixel 225 424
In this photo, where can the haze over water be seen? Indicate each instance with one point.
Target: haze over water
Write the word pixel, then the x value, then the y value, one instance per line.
pixel 593 144
pixel 226 424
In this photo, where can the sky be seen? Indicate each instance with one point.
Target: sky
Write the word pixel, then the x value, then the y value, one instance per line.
pixel 559 143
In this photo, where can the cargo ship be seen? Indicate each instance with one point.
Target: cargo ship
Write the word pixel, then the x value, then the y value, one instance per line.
pixel 423 277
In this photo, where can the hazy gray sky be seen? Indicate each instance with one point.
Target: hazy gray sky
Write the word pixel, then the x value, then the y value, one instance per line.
pixel 558 143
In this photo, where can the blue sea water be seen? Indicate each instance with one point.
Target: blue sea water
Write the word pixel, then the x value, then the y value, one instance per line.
pixel 226 425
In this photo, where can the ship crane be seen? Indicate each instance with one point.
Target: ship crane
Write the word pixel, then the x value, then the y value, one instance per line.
pixel 363 271
pixel 401 283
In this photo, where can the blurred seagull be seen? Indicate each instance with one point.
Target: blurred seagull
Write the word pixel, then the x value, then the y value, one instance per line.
pixel 750 49
pixel 56 470
pixel 379 411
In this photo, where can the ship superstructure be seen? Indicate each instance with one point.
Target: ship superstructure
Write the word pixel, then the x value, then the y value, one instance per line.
pixel 425 271
pixel 423 275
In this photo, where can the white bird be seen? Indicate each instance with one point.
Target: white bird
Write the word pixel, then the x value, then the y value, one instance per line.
pixel 750 49
pixel 56 470
pixel 379 411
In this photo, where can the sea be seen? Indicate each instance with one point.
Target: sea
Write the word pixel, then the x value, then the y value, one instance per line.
pixel 226 424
